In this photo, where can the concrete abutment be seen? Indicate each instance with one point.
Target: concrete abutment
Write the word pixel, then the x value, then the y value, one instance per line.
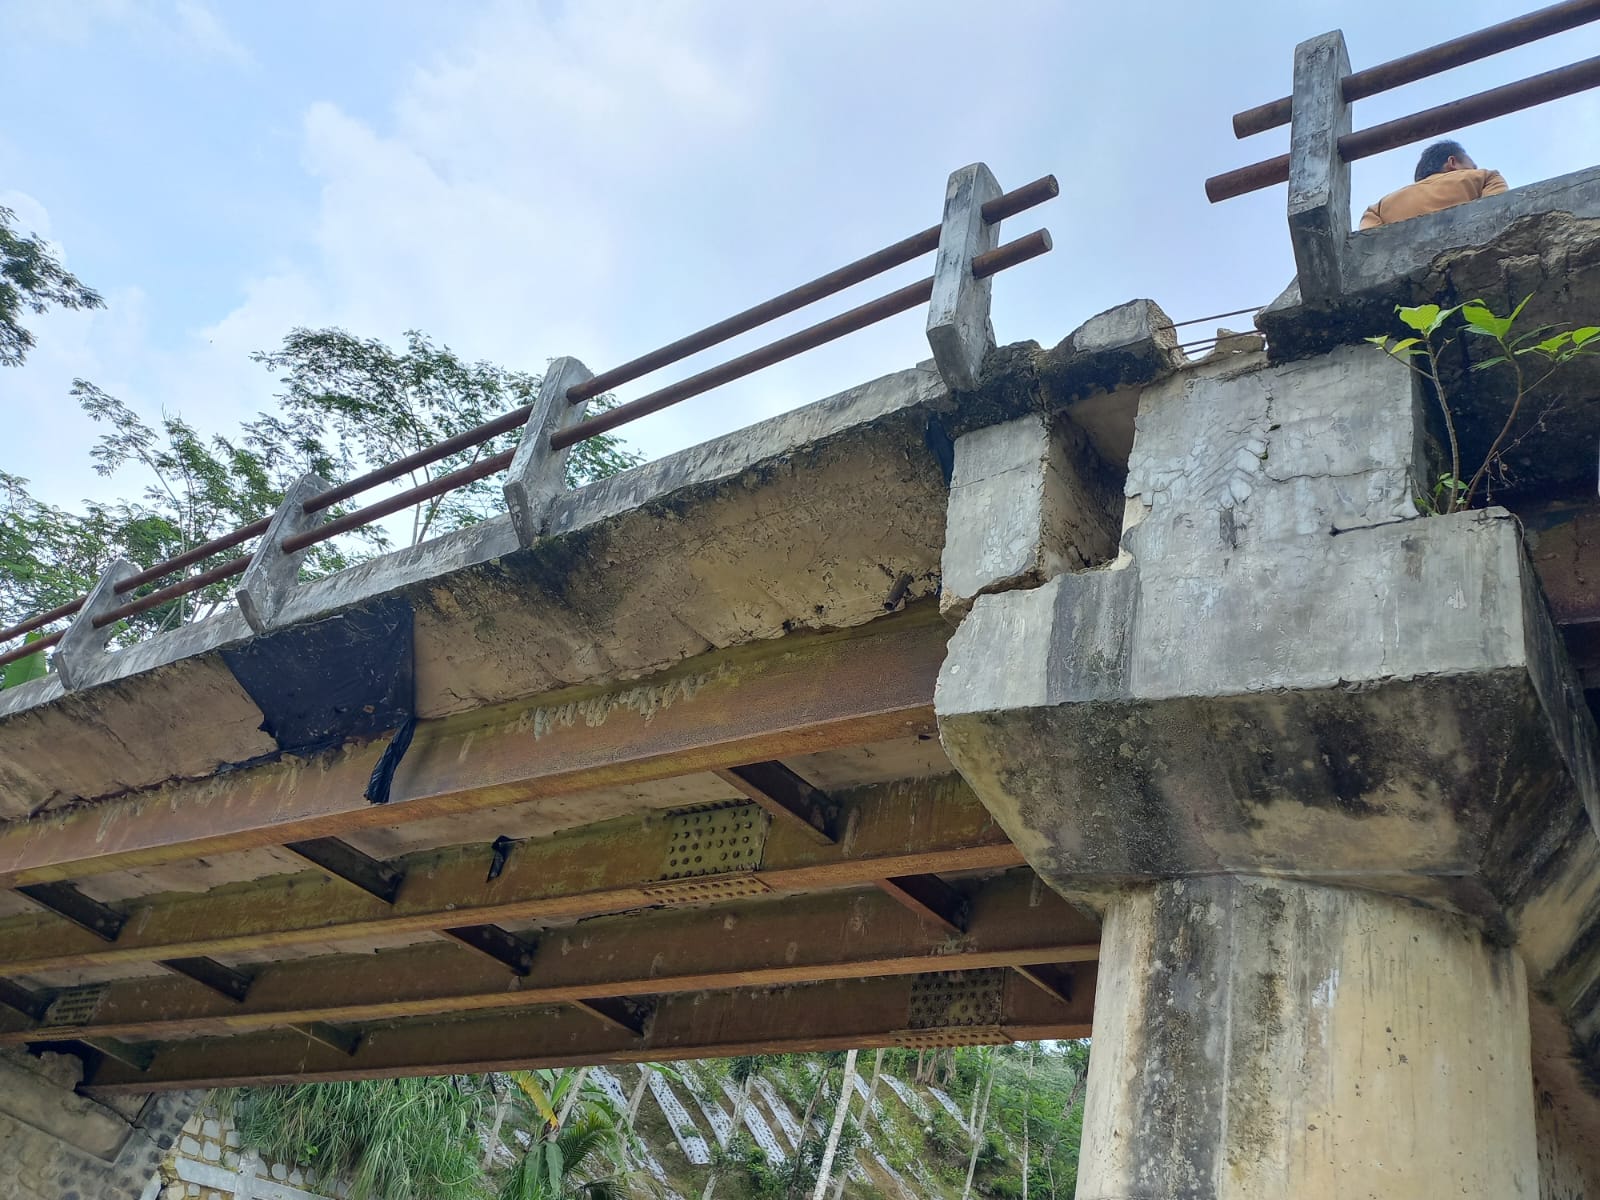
pixel 59 1145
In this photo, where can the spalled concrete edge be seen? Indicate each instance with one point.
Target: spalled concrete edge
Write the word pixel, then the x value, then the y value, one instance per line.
pixel 1381 265
pixel 720 459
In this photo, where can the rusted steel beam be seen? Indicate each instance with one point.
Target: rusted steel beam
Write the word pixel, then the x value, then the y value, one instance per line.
pixel 129 1057
pixel 910 828
pixel 786 796
pixel 208 972
pixel 70 904
pixel 796 695
pixel 507 949
pixel 771 942
pixel 344 1041
pixel 343 861
pixel 821 1016
pixel 931 898
pixel 19 999
pixel 630 1016
pixel 1563 542
pixel 1055 978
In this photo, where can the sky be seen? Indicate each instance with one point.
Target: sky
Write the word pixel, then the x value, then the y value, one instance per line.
pixel 533 179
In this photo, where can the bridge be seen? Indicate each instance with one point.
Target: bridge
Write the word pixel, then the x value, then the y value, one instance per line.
pixel 1019 694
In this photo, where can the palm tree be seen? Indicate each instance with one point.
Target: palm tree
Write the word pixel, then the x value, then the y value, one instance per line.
pixel 580 1161
pixel 578 1150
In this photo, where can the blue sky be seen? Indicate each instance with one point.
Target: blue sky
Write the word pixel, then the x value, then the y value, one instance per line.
pixel 525 180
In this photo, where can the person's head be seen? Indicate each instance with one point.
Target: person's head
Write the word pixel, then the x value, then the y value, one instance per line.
pixel 1443 156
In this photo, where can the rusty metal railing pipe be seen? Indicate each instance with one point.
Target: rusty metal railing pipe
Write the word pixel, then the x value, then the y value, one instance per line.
pixel 34 647
pixel 390 505
pixel 1008 205
pixel 908 297
pixel 183 587
pixel 1435 60
pixel 59 612
pixel 1442 118
pixel 465 440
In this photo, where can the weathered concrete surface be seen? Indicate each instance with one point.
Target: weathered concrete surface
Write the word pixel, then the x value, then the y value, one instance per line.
pixel 1319 178
pixel 1540 243
pixel 1286 672
pixel 1391 264
pixel 58 1145
pixel 180 720
pixel 785 525
pixel 1028 500
pixel 821 518
pixel 1092 377
pixel 1256 1040
pixel 959 330
pixel 537 474
pixel 1569 1153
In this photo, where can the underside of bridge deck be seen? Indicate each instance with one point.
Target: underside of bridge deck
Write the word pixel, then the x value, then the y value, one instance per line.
pixel 781 857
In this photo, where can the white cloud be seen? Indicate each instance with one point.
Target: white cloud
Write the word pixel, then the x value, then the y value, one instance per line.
pixel 599 179
pixel 201 30
pixel 189 26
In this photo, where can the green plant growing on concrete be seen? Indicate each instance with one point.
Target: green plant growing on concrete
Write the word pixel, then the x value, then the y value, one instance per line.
pixel 1545 349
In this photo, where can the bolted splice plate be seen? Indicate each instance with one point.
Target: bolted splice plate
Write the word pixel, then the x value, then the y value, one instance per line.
pixel 715 841
pixel 942 1000
pixel 74 1006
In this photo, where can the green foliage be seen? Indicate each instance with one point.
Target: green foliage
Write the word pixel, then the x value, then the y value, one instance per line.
pixel 347 405
pixel 391 1139
pixel 372 405
pixel 32 279
pixel 196 489
pixel 413 1139
pixel 584 1159
pixel 24 670
pixel 1546 349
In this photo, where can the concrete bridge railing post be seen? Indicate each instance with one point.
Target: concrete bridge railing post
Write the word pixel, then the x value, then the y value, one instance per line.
pixel 83 646
pixel 1324 769
pixel 270 578
pixel 1319 178
pixel 537 473
pixel 959 329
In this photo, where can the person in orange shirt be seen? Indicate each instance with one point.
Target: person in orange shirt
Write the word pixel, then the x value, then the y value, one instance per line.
pixel 1445 177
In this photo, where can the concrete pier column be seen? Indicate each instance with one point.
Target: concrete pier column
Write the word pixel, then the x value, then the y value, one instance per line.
pixel 1256 1039
pixel 1287 672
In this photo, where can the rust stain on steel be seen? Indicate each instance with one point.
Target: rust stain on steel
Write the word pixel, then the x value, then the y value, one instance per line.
pixel 932 826
pixel 800 695
pixel 862 1013
pixel 753 943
